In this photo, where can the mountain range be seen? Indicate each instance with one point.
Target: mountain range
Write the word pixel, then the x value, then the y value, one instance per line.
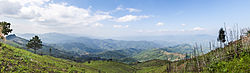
pixel 84 48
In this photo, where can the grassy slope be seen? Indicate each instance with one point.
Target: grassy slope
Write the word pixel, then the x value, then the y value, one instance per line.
pixel 111 67
pixel 18 60
pixel 155 54
pixel 151 66
pixel 222 60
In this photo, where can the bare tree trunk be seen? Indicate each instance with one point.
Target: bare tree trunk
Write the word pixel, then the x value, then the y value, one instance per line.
pixel 210 47
pixel 197 56
pixel 204 62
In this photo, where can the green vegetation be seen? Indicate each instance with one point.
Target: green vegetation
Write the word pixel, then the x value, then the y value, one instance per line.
pixel 111 67
pixel 34 43
pixel 18 60
pixel 4 29
pixel 151 66
pixel 236 65
pixel 222 36
pixel 156 54
pixel 169 53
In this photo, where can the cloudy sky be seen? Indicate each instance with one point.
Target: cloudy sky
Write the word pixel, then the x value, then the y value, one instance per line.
pixel 116 18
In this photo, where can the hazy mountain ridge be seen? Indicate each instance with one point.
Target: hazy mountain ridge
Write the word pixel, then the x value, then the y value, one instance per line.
pixel 45 50
pixel 108 44
pixel 86 48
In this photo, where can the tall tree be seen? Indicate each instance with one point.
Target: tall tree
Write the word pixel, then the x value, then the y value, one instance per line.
pixel 222 37
pixel 50 49
pixel 4 29
pixel 34 43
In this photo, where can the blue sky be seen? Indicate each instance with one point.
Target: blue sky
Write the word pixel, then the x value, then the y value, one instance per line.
pixel 118 18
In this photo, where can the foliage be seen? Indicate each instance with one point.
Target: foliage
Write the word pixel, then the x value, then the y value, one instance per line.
pixel 5 27
pixel 222 36
pixel 35 43
pixel 237 65
pixel 248 32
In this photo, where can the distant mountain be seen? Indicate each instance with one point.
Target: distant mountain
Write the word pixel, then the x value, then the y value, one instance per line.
pixel 116 49
pixel 118 54
pixel 50 38
pixel 56 52
pixel 68 42
pixel 179 39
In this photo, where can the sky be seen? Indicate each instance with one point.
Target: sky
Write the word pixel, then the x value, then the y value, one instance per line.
pixel 124 18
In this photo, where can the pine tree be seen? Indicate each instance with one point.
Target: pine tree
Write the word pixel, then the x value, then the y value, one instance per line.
pixel 34 43
pixel 4 29
pixel 50 49
pixel 222 37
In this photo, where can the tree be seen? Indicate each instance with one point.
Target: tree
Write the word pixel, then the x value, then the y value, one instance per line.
pixel 248 32
pixel 222 37
pixel 50 51
pixel 4 29
pixel 34 43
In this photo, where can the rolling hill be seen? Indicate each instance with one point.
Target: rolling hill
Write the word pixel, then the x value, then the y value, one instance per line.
pixel 80 51
pixel 172 53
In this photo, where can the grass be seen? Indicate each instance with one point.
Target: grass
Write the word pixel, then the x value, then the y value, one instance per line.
pixel 236 65
pixel 151 66
pixel 111 67
pixel 18 60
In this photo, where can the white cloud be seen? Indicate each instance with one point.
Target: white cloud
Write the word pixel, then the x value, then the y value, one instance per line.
pixel 133 10
pixel 129 18
pixel 97 25
pixel 120 8
pixel 198 29
pixel 48 13
pixel 159 24
pixel 183 24
pixel 8 8
pixel 120 26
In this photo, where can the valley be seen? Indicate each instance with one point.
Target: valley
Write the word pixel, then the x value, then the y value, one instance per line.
pixel 124 36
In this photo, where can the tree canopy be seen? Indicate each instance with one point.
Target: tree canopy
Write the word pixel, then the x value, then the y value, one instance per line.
pixel 5 29
pixel 222 36
pixel 34 43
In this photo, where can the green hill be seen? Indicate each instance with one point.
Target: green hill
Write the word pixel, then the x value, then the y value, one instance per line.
pixel 18 60
pixel 172 53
